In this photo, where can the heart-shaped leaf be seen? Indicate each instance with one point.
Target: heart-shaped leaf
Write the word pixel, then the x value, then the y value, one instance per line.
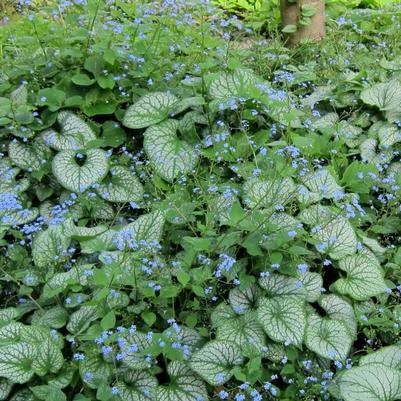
pixel 49 246
pixel 328 338
pixel 150 109
pixel 137 386
pixel 185 386
pixel 371 382
pixel 76 177
pixel 124 186
pixel 283 319
pixel 215 361
pixel 389 356
pixel 16 361
pixel 385 96
pixel 170 156
pixel 75 133
pixel 364 277
pixel 337 238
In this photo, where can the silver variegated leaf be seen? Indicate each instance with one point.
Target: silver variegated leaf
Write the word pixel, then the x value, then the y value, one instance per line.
pixel 283 319
pixel 214 362
pixel 244 300
pixel 16 361
pixel 228 85
pixel 135 347
pixel 82 318
pixel 337 238
pixel 312 284
pixel 55 317
pixel 327 337
pixel 78 178
pixel 339 309
pixel 385 96
pixel 9 314
pixel 268 193
pixel 185 386
pixel 123 186
pixel 389 356
pixel 323 183
pixel 245 331
pixel 48 358
pixel 221 313
pixel 28 157
pixel 150 109
pixel 278 284
pixel 170 156
pixel 317 215
pixel 49 246
pixel 94 370
pixel 137 386
pixel 6 386
pixel 371 382
pixel 75 133
pixel 364 278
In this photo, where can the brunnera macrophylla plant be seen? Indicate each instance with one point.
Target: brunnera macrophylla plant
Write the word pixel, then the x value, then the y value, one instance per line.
pixel 176 226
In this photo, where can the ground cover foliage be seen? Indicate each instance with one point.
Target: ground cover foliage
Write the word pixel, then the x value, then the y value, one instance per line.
pixel 191 212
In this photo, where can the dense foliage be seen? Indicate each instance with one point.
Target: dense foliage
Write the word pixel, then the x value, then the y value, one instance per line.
pixel 190 211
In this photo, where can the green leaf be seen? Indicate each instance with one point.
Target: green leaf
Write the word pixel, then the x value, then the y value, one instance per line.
pixel 337 238
pixel 5 106
pixel 113 134
pixel 170 156
pixel 137 386
pixel 108 321
pixel 328 338
pixel 372 382
pixel 49 245
pixel 215 361
pixel 48 392
pixel 48 358
pixel 82 80
pixel 364 277
pixel 78 178
pixel 290 28
pixel 385 96
pixel 16 361
pixel 150 109
pixel 185 385
pixel 283 319
pixel 52 97
pixel 124 186
pixel 75 133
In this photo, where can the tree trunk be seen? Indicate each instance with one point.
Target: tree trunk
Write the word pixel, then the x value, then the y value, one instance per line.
pixel 290 13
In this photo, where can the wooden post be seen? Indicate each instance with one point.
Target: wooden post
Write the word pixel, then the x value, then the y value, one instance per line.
pixel 290 13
